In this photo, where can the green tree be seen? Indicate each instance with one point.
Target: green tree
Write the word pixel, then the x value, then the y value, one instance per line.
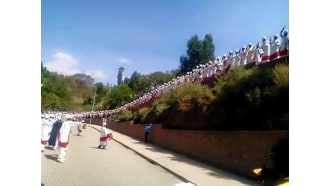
pixel 134 81
pixel 55 92
pixel 141 84
pixel 198 52
pixel 101 91
pixel 207 53
pixel 126 80
pixel 158 78
pixel 82 80
pixel 194 50
pixel 185 66
pixel 118 96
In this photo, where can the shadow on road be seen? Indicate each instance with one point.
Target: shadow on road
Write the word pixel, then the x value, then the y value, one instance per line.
pixel 155 149
pixel 51 156
pixel 49 148
pixel 96 148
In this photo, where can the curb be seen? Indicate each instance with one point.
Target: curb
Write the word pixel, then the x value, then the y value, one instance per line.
pixel 151 160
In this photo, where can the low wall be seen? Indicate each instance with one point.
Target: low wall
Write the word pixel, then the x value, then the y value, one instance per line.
pixel 236 151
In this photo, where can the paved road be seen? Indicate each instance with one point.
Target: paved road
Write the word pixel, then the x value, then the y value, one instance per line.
pixel 87 165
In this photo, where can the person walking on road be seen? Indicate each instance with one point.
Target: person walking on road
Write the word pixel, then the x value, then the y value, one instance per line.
pixel 80 127
pixel 146 132
pixel 46 127
pixel 53 134
pixel 63 138
pixel 104 135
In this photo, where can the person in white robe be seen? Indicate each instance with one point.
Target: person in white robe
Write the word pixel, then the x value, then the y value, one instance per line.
pixel 46 127
pixel 104 135
pixel 64 136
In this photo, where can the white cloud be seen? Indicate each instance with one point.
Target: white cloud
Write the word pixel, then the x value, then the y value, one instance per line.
pixel 63 63
pixel 124 60
pixel 97 74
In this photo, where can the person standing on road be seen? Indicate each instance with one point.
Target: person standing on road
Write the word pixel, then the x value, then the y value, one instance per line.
pixel 104 135
pixel 146 132
pixel 80 127
pixel 46 127
pixel 53 134
pixel 63 137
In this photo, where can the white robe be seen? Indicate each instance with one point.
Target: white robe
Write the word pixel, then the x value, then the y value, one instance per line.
pixel 250 58
pixel 63 138
pixel 275 49
pixel 265 46
pixel 103 135
pixel 46 127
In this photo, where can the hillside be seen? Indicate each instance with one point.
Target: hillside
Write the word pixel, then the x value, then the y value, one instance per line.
pixel 252 98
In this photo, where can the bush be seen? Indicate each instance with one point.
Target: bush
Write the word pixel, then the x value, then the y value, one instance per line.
pixel 184 107
pixel 281 75
pixel 126 115
pixel 138 115
pixel 251 99
pixel 244 99
pixel 192 95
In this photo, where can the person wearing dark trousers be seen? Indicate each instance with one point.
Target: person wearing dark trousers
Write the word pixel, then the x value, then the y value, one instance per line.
pixel 146 132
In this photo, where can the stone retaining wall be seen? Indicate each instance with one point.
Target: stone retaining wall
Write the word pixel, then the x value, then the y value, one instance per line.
pixel 236 151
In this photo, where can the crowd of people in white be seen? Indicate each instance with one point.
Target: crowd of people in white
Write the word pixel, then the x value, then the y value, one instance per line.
pixel 59 134
pixel 259 53
pixel 56 131
pixel 266 51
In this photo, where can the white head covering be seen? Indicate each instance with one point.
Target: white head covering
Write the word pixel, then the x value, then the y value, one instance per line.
pixel 65 117
pixel 46 116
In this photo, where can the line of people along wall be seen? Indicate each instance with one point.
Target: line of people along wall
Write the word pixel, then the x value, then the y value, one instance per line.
pixel 266 51
pixel 261 52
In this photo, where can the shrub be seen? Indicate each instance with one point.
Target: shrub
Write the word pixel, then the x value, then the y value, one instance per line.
pixel 281 75
pixel 244 99
pixel 138 115
pixel 192 95
pixel 251 99
pixel 126 115
pixel 185 107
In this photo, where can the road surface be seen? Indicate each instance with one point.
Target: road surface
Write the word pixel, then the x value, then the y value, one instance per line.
pixel 86 165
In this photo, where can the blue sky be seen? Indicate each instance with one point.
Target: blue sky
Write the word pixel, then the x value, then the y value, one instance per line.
pixel 98 37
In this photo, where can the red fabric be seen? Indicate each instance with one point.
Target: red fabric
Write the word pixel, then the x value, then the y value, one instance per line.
pixel 104 138
pixel 43 142
pixel 265 58
pixel 284 52
pixel 63 144
pixel 226 70
pixel 276 55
